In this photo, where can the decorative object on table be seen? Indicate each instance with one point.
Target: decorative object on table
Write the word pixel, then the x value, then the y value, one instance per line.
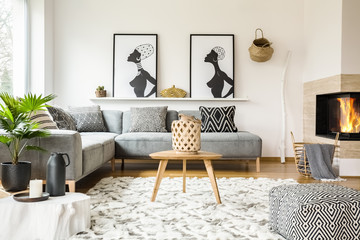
pixel 246 204
pixel 25 197
pixel 186 134
pixel 35 188
pixel 301 158
pixel 173 92
pixel 15 120
pixel 260 50
pixel 100 91
pixel 216 81
pixel 132 50
pixel 56 173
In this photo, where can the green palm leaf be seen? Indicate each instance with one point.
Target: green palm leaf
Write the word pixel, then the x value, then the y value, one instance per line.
pixel 33 103
pixel 5 140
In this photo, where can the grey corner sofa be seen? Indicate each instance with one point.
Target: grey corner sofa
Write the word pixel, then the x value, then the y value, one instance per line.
pixel 90 150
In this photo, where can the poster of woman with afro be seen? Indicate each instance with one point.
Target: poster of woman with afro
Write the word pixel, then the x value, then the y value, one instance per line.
pixel 135 65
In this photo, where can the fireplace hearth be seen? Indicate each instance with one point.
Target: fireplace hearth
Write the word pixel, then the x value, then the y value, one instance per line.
pixel 338 112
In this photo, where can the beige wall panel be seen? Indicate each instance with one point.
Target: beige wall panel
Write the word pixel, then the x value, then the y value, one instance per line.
pixel 350 82
pixel 309 107
pixel 323 86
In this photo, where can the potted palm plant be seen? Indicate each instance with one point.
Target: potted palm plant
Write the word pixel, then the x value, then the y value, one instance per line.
pixel 18 129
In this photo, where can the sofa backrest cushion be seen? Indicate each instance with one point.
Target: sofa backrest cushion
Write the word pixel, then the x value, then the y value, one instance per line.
pixel 170 117
pixel 194 113
pixel 113 120
pixel 126 123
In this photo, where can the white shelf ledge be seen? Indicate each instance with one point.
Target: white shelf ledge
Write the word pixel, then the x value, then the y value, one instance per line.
pixel 107 99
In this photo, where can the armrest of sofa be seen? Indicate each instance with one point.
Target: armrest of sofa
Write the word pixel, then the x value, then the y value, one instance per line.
pixel 64 141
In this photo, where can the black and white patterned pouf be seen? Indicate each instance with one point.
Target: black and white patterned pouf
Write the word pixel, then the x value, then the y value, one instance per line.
pixel 315 211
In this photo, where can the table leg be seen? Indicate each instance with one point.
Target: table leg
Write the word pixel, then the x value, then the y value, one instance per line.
pixel 159 176
pixel 184 175
pixel 210 171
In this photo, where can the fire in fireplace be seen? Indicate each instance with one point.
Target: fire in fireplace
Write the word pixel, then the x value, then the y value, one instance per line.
pixel 338 112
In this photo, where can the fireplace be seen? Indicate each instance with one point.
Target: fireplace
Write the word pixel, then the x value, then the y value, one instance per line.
pixel 338 112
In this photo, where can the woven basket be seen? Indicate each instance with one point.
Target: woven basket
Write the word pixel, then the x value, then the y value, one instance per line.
pixel 100 93
pixel 260 50
pixel 301 161
pixel 186 135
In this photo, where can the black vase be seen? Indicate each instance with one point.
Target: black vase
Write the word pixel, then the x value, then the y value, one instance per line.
pixel 15 177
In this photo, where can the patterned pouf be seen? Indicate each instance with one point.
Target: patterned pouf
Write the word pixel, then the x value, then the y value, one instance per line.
pixel 315 211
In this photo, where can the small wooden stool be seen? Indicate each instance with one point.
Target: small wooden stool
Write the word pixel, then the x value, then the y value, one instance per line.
pixel 165 156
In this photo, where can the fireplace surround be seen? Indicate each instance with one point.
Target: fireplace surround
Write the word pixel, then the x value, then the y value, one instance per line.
pixel 348 158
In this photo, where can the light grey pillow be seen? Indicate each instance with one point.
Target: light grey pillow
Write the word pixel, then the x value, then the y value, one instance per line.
pixel 148 119
pixel 88 119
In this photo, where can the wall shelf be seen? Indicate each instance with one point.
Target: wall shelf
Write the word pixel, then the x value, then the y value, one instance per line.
pixel 116 99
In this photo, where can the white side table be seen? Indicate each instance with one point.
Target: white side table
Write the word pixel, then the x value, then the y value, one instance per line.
pixel 55 218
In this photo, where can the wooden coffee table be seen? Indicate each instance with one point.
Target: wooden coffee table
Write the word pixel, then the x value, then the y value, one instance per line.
pixel 165 156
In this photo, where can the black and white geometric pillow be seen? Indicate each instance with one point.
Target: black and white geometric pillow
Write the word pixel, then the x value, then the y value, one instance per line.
pixel 217 119
pixel 62 119
pixel 88 119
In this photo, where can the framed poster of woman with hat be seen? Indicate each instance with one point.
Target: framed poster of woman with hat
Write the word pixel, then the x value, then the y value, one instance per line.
pixel 212 65
pixel 135 65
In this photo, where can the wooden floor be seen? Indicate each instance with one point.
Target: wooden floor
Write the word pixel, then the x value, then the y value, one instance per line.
pixel 270 168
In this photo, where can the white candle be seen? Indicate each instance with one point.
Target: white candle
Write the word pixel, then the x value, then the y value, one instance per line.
pixel 36 188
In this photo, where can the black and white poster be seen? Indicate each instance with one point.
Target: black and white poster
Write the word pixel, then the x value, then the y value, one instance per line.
pixel 135 65
pixel 212 66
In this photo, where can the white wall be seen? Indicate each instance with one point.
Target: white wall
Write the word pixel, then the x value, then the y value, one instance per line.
pixel 322 22
pixel 83 34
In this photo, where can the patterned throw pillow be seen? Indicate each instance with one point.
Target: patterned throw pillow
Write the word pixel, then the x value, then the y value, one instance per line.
pixel 217 119
pixel 44 120
pixel 88 119
pixel 62 119
pixel 148 119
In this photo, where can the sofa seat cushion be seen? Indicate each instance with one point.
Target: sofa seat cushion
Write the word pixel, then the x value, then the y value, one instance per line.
pixel 141 144
pixel 235 145
pixel 238 145
pixel 97 148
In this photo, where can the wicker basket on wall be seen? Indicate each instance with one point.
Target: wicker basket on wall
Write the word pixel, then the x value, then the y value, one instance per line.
pixel 186 135
pixel 260 50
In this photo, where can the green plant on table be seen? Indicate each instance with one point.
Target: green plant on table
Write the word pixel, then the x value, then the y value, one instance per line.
pixel 15 120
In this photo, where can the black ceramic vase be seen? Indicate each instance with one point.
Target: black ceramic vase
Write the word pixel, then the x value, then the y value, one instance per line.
pixel 56 174
pixel 15 177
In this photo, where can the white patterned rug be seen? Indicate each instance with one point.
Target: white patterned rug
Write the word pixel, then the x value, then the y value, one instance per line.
pixel 121 209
